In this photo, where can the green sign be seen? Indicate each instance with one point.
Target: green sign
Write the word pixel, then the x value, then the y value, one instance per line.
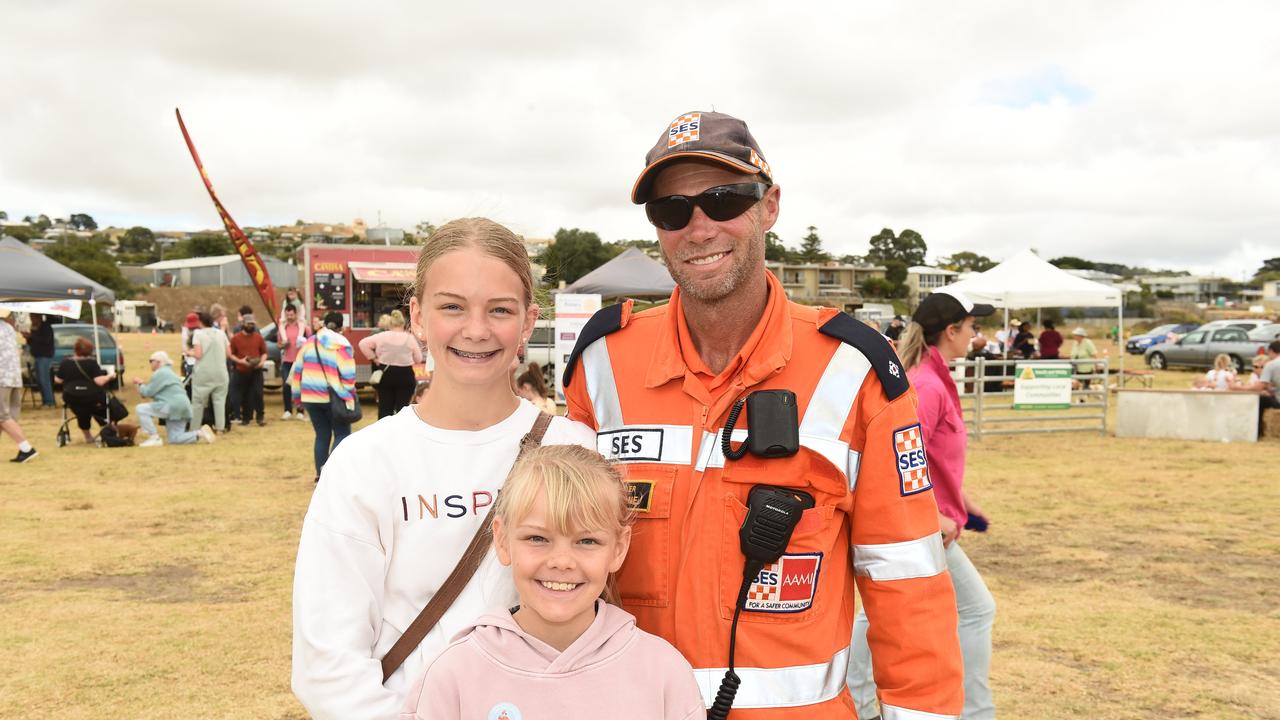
pixel 1042 386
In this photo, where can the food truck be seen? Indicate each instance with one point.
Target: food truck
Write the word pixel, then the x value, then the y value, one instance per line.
pixel 363 282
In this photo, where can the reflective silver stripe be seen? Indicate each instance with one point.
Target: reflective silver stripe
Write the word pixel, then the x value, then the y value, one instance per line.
pixel 855 462
pixel 889 712
pixel 710 455
pixel 924 557
pixel 601 388
pixel 833 449
pixel 663 444
pixel 833 397
pixel 779 687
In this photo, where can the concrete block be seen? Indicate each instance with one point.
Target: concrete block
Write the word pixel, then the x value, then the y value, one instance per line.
pixel 1187 415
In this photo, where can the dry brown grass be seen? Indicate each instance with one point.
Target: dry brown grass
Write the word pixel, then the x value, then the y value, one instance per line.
pixel 1134 578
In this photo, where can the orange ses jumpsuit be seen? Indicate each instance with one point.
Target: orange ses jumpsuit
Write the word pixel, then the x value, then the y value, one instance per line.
pixel 658 412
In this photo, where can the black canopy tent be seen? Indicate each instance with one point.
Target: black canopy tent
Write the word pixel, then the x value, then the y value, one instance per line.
pixel 27 275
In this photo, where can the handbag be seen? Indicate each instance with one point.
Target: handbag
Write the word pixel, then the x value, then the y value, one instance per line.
pixel 375 377
pixel 337 406
pixel 462 572
pixel 116 411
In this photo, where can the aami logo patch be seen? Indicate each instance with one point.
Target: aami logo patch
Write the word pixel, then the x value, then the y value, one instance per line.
pixel 913 466
pixel 785 586
pixel 631 445
pixel 684 129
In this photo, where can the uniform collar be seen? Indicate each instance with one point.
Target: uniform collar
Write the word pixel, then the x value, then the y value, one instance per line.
pixel 766 356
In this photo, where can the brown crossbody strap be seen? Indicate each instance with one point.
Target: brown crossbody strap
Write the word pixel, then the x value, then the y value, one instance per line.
pixel 462 573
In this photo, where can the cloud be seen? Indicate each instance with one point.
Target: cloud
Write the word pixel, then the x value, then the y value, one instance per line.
pixel 1139 132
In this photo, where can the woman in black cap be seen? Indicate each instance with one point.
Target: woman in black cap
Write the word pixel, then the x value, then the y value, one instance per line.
pixel 940 331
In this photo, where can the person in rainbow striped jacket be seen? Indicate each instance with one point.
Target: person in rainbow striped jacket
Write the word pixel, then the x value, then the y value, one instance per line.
pixel 325 364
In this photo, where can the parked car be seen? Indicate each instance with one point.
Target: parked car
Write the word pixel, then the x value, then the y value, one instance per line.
pixel 1198 349
pixel 64 340
pixel 542 349
pixel 1138 344
pixel 271 371
pixel 1266 333
pixel 1246 325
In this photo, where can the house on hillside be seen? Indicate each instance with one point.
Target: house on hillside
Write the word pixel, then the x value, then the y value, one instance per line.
pixel 1187 288
pixel 922 280
pixel 218 271
pixel 832 284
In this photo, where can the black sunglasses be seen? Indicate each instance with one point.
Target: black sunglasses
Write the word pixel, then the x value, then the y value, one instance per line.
pixel 724 202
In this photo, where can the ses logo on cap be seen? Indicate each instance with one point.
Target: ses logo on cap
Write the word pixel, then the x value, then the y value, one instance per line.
pixel 786 586
pixel 913 466
pixel 684 129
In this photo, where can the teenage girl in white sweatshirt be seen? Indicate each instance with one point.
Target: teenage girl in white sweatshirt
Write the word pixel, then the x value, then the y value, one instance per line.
pixel 399 501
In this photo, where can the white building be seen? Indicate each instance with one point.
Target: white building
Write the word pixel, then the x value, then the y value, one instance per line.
pixel 1186 288
pixel 922 280
pixel 218 271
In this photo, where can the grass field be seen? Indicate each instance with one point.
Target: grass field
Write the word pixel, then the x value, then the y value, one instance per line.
pixel 1134 578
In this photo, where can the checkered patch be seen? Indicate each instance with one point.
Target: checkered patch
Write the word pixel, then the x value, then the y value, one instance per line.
pixel 760 163
pixel 786 586
pixel 684 129
pixel 913 466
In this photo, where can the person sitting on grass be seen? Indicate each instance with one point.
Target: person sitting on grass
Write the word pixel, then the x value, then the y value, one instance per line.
pixel 169 401
pixel 563 526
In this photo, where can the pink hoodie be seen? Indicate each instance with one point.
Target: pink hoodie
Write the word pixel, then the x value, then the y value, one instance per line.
pixel 496 671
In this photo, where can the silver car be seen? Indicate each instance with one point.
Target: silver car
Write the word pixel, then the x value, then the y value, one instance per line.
pixel 1199 347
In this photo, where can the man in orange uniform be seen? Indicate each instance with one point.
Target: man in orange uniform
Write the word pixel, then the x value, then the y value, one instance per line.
pixel 658 386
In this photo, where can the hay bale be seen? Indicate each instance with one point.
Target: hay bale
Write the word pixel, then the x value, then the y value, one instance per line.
pixel 1270 424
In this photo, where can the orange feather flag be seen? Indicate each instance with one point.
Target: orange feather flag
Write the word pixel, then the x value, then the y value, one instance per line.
pixel 253 262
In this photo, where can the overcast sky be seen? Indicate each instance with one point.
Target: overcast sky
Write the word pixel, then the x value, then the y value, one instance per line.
pixel 1136 132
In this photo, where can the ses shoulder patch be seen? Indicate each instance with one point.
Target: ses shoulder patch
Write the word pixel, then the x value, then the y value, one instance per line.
pixel 785 586
pixel 912 464
pixel 605 321
pixel 876 349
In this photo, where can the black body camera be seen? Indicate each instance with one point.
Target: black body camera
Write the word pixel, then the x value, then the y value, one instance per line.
pixel 773 426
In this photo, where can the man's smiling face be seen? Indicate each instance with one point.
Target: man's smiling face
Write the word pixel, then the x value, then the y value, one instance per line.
pixel 710 260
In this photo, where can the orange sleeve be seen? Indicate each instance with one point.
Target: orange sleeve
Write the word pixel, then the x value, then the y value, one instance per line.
pixel 578 403
pixel 899 561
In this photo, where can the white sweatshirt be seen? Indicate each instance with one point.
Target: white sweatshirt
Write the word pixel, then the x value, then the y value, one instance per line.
pixel 396 505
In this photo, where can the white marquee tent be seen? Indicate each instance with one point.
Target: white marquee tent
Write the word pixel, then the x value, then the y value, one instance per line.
pixel 1027 281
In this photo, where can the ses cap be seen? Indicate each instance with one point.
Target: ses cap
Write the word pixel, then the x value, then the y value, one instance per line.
pixel 946 307
pixel 711 136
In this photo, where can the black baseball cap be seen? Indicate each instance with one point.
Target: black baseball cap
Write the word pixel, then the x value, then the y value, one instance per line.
pixel 711 136
pixel 945 307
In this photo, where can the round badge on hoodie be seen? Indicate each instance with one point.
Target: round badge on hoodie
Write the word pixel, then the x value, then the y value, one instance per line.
pixel 505 711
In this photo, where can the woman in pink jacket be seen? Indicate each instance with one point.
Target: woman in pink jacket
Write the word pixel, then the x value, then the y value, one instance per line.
pixel 562 524
pixel 940 331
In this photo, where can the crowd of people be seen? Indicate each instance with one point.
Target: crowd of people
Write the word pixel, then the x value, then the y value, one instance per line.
pixel 475 554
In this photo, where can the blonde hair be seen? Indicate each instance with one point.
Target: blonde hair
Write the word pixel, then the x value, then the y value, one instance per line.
pixel 395 319
pixel 583 491
pixel 1223 362
pixel 913 341
pixel 384 321
pixel 483 234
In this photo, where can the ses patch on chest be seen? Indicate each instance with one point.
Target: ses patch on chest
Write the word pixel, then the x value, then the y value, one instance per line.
pixel 912 464
pixel 632 444
pixel 785 586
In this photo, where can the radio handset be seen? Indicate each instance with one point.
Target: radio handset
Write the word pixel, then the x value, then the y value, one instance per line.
pixel 772 515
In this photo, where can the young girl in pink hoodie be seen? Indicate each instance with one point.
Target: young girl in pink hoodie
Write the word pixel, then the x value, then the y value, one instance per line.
pixel 562 524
